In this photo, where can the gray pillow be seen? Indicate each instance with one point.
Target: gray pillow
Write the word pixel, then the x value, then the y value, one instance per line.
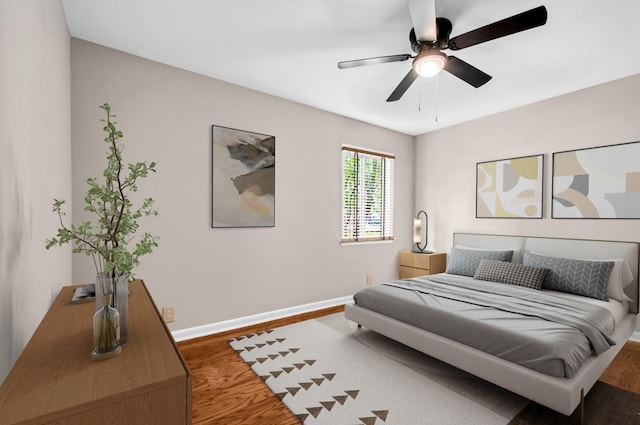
pixel 580 277
pixel 465 261
pixel 510 273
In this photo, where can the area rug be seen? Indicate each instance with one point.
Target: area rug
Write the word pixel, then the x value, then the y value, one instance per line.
pixel 329 372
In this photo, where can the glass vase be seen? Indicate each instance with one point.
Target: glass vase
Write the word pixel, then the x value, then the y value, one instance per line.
pixel 118 286
pixel 106 331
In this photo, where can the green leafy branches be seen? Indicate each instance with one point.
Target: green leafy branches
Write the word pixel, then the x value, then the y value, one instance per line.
pixel 111 240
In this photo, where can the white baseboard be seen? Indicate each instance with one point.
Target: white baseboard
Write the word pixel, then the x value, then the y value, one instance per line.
pixel 635 337
pixel 226 325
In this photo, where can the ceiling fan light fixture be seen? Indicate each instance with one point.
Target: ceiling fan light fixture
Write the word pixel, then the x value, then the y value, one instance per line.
pixel 429 63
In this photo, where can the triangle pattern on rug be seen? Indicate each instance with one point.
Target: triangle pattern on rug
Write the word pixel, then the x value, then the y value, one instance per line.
pixel 325 377
pixel 293 390
pixel 276 373
pixel 340 398
pixel 371 420
pixel 328 404
pixel 352 393
pixel 257 358
pixel 382 414
pixel 315 411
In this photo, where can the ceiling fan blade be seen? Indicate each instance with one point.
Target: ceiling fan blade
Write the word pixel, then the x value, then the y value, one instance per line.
pixel 403 86
pixel 514 24
pixel 373 61
pixel 423 17
pixel 467 73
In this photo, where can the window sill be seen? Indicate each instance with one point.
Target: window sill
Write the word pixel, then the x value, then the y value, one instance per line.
pixel 366 242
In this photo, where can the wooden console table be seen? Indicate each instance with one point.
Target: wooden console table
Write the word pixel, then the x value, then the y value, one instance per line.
pixel 55 381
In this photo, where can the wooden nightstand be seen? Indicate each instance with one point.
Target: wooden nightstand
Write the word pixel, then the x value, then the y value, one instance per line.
pixel 413 265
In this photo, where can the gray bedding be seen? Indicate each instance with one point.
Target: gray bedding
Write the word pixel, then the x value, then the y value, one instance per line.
pixel 531 328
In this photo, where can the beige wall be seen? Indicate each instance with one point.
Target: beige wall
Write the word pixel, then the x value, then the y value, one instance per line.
pixel 211 275
pixel 446 160
pixel 35 153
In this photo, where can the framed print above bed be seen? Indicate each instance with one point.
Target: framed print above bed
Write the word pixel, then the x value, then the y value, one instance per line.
pixel 510 188
pixel 599 182
pixel 243 178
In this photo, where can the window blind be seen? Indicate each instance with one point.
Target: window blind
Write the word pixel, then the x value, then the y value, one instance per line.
pixel 367 195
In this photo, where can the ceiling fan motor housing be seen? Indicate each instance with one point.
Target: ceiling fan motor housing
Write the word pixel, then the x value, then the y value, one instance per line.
pixel 443 30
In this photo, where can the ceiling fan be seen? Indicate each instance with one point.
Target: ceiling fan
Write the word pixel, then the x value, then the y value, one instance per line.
pixel 430 36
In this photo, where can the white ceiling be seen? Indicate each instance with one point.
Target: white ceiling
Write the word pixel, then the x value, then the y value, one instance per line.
pixel 290 48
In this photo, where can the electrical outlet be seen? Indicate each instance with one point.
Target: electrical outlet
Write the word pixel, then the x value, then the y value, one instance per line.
pixel 369 279
pixel 168 314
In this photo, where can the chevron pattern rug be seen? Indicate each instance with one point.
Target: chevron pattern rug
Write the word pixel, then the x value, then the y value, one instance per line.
pixel 329 372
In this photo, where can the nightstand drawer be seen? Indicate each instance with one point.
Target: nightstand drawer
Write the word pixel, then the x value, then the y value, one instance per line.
pixel 405 272
pixel 413 264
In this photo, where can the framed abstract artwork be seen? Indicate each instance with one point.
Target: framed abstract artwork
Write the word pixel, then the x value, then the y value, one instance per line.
pixel 243 178
pixel 510 188
pixel 599 182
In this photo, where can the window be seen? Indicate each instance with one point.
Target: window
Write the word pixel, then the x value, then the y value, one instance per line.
pixel 367 195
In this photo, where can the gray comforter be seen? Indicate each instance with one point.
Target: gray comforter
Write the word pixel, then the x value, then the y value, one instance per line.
pixel 531 328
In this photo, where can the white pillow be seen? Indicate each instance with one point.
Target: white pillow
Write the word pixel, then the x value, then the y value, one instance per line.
pixel 621 277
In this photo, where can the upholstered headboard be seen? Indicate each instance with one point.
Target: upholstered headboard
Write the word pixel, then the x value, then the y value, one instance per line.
pixel 566 248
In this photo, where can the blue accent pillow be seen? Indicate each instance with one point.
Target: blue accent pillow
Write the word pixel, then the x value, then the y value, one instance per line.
pixel 465 261
pixel 580 277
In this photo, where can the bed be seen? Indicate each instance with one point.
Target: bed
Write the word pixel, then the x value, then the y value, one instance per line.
pixel 557 384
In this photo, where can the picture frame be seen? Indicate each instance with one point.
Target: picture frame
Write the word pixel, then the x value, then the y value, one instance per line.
pixel 243 175
pixel 601 182
pixel 510 188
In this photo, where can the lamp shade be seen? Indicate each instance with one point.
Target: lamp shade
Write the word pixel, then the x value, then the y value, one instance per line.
pixel 418 227
pixel 417 231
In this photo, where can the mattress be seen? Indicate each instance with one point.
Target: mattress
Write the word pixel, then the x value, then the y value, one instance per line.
pixel 523 336
pixel 618 309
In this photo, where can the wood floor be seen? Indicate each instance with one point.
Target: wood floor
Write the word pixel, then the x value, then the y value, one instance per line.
pixel 624 372
pixel 226 392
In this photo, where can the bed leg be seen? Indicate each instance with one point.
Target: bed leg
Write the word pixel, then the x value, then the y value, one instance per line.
pixel 582 406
